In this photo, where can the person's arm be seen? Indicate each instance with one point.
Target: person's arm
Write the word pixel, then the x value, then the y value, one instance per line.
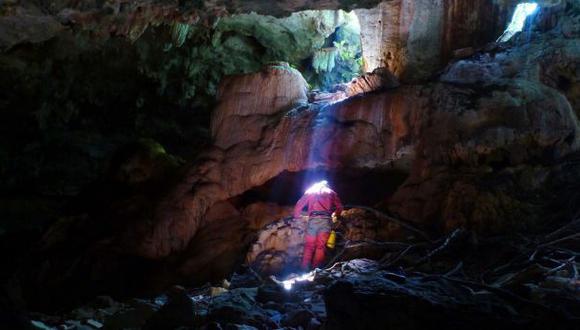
pixel 300 205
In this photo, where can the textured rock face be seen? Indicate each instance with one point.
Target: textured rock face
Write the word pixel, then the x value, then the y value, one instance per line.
pixel 453 139
pixel 519 128
pixel 497 132
pixel 227 231
pixel 279 246
pixel 488 119
pixel 414 39
pixel 375 131
pixel 132 18
pixel 275 90
pixel 366 297
pixel 436 127
pixel 379 79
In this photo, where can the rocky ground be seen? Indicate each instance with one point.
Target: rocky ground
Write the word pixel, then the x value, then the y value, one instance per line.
pixel 455 282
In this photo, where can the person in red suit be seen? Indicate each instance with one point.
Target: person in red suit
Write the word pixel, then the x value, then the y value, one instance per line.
pixel 321 204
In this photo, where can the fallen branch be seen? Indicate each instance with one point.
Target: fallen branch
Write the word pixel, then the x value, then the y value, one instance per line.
pixel 397 258
pixel 365 242
pixel 573 236
pixel 439 249
pixel 563 228
pixel 455 269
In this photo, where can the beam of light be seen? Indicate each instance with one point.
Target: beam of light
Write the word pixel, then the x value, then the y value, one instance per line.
pixel 320 187
pixel 322 129
pixel 289 283
pixel 523 10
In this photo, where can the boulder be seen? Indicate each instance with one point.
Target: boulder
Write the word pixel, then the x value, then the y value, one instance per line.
pixel 176 312
pixel 239 306
pixel 366 298
pixel 279 246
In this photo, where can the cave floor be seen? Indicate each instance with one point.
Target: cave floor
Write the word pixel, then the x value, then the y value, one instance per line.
pixel 521 281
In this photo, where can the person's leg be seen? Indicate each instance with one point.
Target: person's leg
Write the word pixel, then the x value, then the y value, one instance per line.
pixel 320 252
pixel 309 246
pixel 321 239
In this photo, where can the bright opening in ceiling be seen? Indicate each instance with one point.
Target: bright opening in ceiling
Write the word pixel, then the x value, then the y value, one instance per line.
pixel 523 10
pixel 340 59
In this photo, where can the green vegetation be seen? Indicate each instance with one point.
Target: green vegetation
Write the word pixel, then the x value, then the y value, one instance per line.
pixel 190 67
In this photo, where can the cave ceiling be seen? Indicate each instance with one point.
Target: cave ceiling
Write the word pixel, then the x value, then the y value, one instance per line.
pixel 36 21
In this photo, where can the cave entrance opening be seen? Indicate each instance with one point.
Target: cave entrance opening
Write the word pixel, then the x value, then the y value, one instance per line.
pixel 340 57
pixel 370 187
pixel 521 14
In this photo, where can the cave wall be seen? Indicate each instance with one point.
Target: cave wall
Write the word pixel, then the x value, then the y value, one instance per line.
pixel 415 39
pixel 160 64
pixel 80 80
pixel 484 113
pixel 493 129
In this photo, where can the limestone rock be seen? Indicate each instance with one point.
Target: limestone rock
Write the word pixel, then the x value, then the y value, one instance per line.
pixel 414 39
pixel 448 136
pixel 260 214
pixel 129 19
pixel 278 248
pixel 506 128
pixel 214 252
pixel 529 133
pixel 252 97
pixel 379 79
pixel 365 298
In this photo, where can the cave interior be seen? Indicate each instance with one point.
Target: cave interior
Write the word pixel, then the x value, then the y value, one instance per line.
pixel 153 152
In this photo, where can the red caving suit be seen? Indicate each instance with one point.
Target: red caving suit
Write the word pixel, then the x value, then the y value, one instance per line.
pixel 319 207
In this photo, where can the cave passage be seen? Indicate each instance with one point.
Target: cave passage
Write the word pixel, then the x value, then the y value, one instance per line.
pixel 354 186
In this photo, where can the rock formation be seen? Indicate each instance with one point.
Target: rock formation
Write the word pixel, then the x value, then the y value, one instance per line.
pixel 487 142
pixel 414 39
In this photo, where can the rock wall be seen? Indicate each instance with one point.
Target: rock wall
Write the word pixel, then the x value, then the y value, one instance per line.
pixel 478 142
pixel 498 118
pixel 280 87
pixel 414 39
pixel 80 79
pixel 279 246
pixel 33 21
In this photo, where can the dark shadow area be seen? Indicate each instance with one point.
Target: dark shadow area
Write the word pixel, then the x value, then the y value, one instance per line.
pixel 354 186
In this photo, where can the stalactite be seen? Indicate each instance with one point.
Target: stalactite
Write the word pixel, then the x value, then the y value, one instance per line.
pixel 179 33
pixel 324 59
